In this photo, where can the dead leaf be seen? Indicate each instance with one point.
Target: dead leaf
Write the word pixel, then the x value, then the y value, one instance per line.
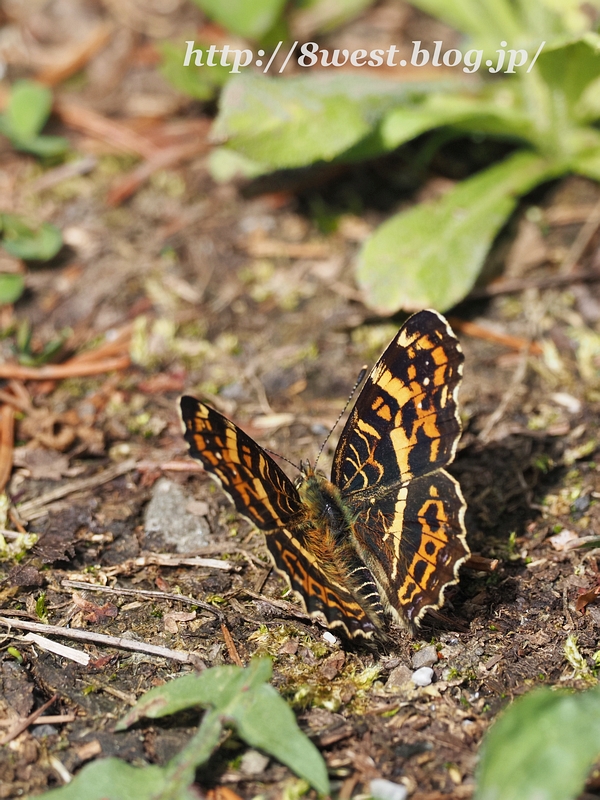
pixel 93 613
pixel 41 463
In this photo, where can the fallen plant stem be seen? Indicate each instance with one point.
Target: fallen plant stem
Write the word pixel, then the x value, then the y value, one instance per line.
pixel 128 185
pixel 480 332
pixel 180 598
pixel 70 369
pixel 29 509
pixel 104 129
pixel 7 428
pixel 230 644
pixel 103 639
pixel 25 723
pixel 77 56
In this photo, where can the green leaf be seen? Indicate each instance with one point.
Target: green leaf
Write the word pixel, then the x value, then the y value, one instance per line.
pixel 250 20
pixel 476 115
pixel 541 748
pixel 113 779
pixel 570 69
pixel 43 146
pixel 243 699
pixel 494 19
pixel 294 122
pixel 432 254
pixel 22 241
pixel 201 82
pixel 12 287
pixel 28 109
pixel 226 165
pixel 264 720
pixel 284 124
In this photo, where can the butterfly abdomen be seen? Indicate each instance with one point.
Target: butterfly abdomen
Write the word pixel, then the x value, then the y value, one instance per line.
pixel 328 530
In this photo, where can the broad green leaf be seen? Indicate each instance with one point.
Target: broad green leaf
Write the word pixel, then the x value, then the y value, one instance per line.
pixel 242 698
pixel 469 114
pixel 541 748
pixel 588 164
pixel 494 19
pixel 201 82
pixel 281 123
pixel 30 244
pixel 181 769
pixel 264 720
pixel 570 69
pixel 250 20
pixel 43 146
pixel 432 254
pixel 28 109
pixel 12 286
pixel 226 165
pixel 214 687
pixel 113 779
pixel 296 121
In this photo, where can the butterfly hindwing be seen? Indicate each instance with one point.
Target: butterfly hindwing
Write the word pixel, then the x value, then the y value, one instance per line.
pixel 413 541
pixel 325 594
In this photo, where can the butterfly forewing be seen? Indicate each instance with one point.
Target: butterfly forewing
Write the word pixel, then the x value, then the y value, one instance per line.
pixel 260 490
pixel 405 421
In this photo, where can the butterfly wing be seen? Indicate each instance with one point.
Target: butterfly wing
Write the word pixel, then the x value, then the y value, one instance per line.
pixel 263 493
pixel 405 422
pixel 403 430
pixel 259 489
pixel 413 541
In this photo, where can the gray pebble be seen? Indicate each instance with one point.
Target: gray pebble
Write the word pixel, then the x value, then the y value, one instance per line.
pixel 425 657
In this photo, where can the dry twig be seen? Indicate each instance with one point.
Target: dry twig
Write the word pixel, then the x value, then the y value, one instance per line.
pixel 479 332
pixel 70 369
pixel 180 598
pixel 25 723
pixel 103 639
pixel 7 428
pixel 231 648
pixel 32 509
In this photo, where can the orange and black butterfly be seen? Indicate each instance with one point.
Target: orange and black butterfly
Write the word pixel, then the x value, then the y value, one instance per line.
pixel 386 533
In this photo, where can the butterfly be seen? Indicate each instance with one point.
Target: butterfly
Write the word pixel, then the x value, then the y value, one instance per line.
pixel 385 535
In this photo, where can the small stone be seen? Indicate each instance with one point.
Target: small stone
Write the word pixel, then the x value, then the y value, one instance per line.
pixel 168 522
pixel 386 790
pixel 398 678
pixel 425 657
pixel 422 676
pixel 41 731
pixel 253 763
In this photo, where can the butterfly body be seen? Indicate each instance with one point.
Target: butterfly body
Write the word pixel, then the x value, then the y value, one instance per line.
pixel 386 533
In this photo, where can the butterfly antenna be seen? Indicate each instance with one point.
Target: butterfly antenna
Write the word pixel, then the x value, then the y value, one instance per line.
pixel 359 380
pixel 283 458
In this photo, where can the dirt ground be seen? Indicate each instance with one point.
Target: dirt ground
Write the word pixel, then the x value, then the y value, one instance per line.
pixel 248 300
